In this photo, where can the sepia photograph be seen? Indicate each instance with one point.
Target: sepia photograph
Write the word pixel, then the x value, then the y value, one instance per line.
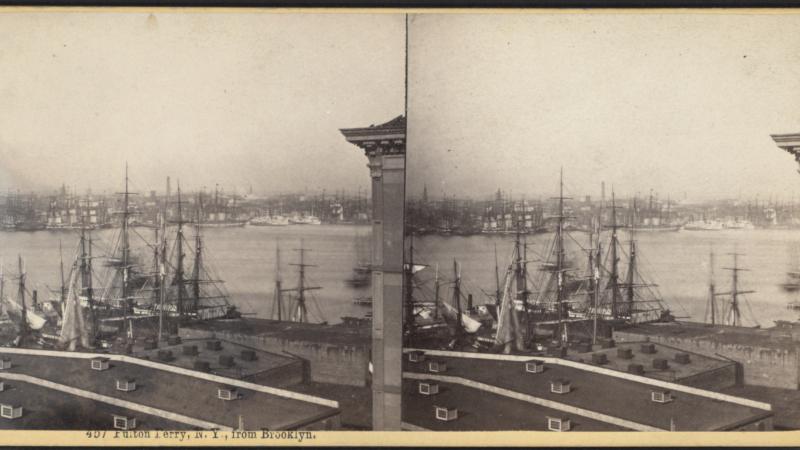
pixel 602 232
pixel 186 223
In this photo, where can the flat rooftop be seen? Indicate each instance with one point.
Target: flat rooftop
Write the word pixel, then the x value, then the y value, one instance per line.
pixel 675 371
pixel 338 334
pixel 48 409
pixel 759 337
pixel 484 411
pixel 187 394
pixel 614 396
pixel 242 368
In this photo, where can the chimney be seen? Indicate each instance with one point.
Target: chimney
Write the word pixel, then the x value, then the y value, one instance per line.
pixel 660 364
pixel 428 388
pixel 165 355
pixel 648 348
pixel 10 411
pixel 190 350
pixel 437 366
pixel 416 356
pixel 202 366
pixel 99 363
pixel 625 353
pixel 445 414
pixel 227 393
pixel 124 422
pixel 682 358
pixel 5 363
pixel 661 396
pixel 534 366
pixel 558 423
pixel 126 384
pixel 560 386
pixel 636 369
pixel 599 358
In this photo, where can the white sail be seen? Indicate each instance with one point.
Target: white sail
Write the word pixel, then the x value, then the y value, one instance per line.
pixel 470 325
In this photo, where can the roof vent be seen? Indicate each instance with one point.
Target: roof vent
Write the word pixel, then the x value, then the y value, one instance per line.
pixel 660 364
pixel 174 340
pixel 534 367
pixel 100 363
pixel 636 369
pixel 5 364
pixel 214 345
pixel 124 423
pixel 599 358
pixel 661 396
pixel 428 388
pixel 446 414
pixel 558 423
pixel 165 355
pixel 437 366
pixel 150 344
pixel 248 355
pixel 648 348
pixel 126 384
pixel 202 366
pixel 416 356
pixel 190 350
pixel 560 386
pixel 2 386
pixel 226 360
pixel 10 411
pixel 227 393
pixel 682 358
pixel 608 343
pixel 625 353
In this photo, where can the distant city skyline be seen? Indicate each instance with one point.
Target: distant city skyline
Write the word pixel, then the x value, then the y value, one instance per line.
pixel 680 103
pixel 238 99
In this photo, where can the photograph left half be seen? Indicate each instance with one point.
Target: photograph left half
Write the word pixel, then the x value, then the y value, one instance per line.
pixel 191 217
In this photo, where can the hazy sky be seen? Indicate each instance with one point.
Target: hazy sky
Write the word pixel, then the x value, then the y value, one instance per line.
pixel 228 98
pixel 680 103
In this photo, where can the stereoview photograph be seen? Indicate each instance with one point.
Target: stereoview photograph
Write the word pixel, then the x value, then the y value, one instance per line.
pixel 601 226
pixel 186 217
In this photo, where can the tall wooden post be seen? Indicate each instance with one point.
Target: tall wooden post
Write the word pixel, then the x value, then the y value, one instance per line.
pixel 385 148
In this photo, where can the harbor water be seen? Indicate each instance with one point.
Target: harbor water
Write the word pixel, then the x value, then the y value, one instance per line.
pixel 244 257
pixel 677 262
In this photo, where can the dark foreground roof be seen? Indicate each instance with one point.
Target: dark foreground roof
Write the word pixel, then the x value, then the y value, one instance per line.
pixel 616 396
pixel 186 394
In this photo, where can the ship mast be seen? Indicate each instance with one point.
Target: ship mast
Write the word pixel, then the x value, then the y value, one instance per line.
pixel 631 264
pixel 24 319
pixel 560 292
pixel 126 256
pixel 613 278
pixel 278 290
pixel 179 281
pixel 436 285
pixel 735 312
pixel 497 297
pixel 457 299
pixel 301 312
pixel 711 290
pixel 198 256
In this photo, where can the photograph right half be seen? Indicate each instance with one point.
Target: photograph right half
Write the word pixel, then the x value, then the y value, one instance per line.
pixel 601 226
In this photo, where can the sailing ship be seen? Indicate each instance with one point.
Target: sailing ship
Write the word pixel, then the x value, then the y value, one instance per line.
pixel 729 312
pixel 17 308
pixel 297 310
pixel 220 214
